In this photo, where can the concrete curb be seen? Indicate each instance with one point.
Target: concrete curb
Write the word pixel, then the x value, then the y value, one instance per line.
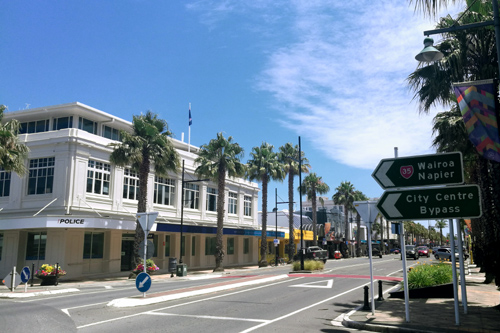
pixel 38 293
pixel 139 301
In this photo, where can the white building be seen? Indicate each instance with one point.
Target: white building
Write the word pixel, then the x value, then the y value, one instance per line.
pixel 75 208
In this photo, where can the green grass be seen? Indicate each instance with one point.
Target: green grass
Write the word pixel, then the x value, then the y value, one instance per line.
pixel 429 275
pixel 309 265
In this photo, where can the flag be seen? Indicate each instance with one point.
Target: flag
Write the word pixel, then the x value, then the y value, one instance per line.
pixel 190 119
pixel 477 104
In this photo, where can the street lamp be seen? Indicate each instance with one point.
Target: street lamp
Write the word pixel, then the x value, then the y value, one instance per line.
pixel 429 53
pixel 182 205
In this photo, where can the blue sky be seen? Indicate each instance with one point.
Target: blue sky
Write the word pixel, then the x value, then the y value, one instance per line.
pixel 331 72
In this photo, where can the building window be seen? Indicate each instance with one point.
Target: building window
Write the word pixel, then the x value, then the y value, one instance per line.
pixel 131 185
pixel 4 183
pixel 193 246
pixel 246 245
pixel 247 202
pixel 41 175
pixel 93 245
pixel 164 192
pixel 167 245
pixel 34 127
pixel 230 245
pixel 87 125
pixel 110 133
pixel 63 122
pixel 155 244
pixel 191 196
pixel 212 199
pixel 35 247
pixel 98 177
pixel 210 246
pixel 232 203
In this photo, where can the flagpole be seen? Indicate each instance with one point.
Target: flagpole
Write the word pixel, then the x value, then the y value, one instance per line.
pixel 189 131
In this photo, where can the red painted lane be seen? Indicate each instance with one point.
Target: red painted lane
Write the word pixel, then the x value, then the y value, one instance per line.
pixel 386 278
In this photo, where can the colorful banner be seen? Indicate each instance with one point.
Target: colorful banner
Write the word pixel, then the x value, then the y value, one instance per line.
pixel 478 106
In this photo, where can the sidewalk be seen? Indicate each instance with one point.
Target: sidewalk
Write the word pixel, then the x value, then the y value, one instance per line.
pixel 434 314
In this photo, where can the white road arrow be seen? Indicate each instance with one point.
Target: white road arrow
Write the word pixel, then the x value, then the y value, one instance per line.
pixel 141 284
pixel 389 205
pixel 381 174
pixel 329 284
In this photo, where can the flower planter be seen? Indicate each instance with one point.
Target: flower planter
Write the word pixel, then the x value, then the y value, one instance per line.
pixel 49 280
pixel 439 291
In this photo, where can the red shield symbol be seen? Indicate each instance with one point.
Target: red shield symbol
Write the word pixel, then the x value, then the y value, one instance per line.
pixel 406 171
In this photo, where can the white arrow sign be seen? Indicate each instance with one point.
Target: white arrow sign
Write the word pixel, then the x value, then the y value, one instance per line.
pixel 389 205
pixel 329 284
pixel 381 174
pixel 141 284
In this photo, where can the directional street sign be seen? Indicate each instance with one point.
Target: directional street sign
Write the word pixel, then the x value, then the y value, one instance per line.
pixel 431 203
pixel 25 274
pixel 143 282
pixel 7 281
pixel 367 210
pixel 423 170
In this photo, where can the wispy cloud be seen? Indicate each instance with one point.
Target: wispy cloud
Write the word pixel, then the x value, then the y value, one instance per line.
pixel 340 76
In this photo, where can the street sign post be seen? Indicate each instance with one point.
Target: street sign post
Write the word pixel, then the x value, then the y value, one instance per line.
pixel 423 170
pixel 12 280
pixel 25 274
pixel 431 203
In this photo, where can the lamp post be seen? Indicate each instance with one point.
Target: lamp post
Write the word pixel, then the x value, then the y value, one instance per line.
pixel 300 195
pixel 182 205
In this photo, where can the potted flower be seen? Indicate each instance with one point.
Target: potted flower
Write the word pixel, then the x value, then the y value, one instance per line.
pixel 49 274
pixel 151 267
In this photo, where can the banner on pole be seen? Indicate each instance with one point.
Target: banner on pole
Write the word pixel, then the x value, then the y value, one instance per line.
pixel 477 101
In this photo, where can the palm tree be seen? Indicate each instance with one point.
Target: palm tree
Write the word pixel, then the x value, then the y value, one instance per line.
pixel 345 197
pixel 149 143
pixel 264 166
pixel 289 157
pixel 359 196
pixel 441 224
pixel 311 186
pixel 12 153
pixel 219 157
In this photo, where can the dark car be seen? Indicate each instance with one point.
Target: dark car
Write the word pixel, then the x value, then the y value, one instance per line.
pixel 396 250
pixel 411 252
pixel 423 251
pixel 445 253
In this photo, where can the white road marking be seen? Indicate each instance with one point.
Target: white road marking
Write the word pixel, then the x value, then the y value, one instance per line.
pixel 329 284
pixel 187 303
pixel 207 317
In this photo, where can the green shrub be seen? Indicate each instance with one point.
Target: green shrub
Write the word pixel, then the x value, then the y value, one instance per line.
pixel 309 265
pixel 429 275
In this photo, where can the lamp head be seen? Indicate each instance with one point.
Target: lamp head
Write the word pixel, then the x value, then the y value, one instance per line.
pixel 429 53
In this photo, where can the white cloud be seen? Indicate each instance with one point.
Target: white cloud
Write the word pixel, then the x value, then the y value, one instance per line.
pixel 339 76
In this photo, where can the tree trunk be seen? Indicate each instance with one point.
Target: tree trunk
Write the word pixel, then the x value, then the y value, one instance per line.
pixel 314 216
pixel 291 228
pixel 263 239
pixel 141 206
pixel 219 244
pixel 346 238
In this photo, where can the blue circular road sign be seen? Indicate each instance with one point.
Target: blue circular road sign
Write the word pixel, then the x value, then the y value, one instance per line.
pixel 143 282
pixel 25 274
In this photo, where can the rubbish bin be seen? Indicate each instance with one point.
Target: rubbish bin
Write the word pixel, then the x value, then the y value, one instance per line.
pixel 172 265
pixel 181 270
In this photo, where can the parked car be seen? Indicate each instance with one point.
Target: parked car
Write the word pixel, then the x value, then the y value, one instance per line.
pixel 445 253
pixel 423 251
pixel 411 252
pixel 314 253
pixel 435 248
pixel 396 250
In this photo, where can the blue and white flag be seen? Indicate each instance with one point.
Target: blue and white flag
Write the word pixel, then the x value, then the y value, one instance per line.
pixel 190 119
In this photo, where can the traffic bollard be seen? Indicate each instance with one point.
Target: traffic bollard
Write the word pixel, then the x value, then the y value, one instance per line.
pixel 366 306
pixel 380 293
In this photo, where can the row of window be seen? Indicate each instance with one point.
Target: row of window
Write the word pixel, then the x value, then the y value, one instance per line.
pixel 41 180
pixel 67 122
pixel 93 245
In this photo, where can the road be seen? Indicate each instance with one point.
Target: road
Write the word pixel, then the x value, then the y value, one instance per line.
pixel 291 302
